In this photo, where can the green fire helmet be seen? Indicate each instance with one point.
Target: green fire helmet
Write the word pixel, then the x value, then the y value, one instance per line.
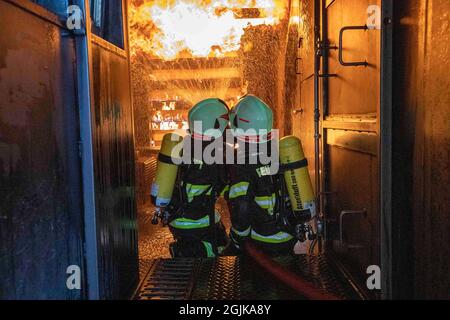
pixel 252 119
pixel 208 119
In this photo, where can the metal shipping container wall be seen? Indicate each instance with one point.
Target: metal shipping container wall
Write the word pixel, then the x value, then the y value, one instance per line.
pixel 40 190
pixel 349 102
pixel 113 144
pixel 421 149
pixel 351 109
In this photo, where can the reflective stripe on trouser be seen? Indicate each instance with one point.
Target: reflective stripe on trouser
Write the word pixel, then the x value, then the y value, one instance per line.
pixel 209 249
pixel 238 190
pixel 280 237
pixel 188 224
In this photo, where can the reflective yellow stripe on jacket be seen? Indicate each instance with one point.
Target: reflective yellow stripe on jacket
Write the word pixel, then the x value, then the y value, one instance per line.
pixel 239 190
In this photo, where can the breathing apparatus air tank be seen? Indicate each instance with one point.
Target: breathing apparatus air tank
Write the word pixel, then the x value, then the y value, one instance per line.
pixel 298 181
pixel 167 171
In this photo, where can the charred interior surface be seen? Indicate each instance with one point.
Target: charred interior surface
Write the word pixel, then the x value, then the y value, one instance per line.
pixel 40 187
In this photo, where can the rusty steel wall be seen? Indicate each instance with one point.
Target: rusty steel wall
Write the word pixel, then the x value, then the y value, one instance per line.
pixel 349 105
pixel 40 191
pixel 114 173
pixel 351 136
pixel 421 136
pixel 421 147
pixel 357 90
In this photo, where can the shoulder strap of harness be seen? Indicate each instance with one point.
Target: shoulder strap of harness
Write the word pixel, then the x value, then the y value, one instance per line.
pixel 165 159
pixel 293 165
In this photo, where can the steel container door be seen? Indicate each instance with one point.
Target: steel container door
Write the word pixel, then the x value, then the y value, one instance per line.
pixel 113 151
pixel 41 213
pixel 350 130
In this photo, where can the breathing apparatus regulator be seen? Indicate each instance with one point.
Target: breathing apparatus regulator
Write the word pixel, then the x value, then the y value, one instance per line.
pixel 207 121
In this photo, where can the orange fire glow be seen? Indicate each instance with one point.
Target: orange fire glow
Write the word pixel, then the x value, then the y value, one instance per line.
pixel 172 29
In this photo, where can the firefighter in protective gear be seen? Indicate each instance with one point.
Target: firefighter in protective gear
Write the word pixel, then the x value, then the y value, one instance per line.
pixel 194 221
pixel 255 196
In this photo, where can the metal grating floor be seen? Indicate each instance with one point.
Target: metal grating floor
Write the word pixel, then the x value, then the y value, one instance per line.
pixel 168 279
pixel 237 278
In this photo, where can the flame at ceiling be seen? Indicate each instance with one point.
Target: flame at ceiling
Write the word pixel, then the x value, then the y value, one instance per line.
pixel 197 28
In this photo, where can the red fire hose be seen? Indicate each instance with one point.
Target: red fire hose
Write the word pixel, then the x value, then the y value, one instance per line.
pixel 287 277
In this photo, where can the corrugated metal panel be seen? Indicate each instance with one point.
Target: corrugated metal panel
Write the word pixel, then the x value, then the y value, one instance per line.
pixel 40 213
